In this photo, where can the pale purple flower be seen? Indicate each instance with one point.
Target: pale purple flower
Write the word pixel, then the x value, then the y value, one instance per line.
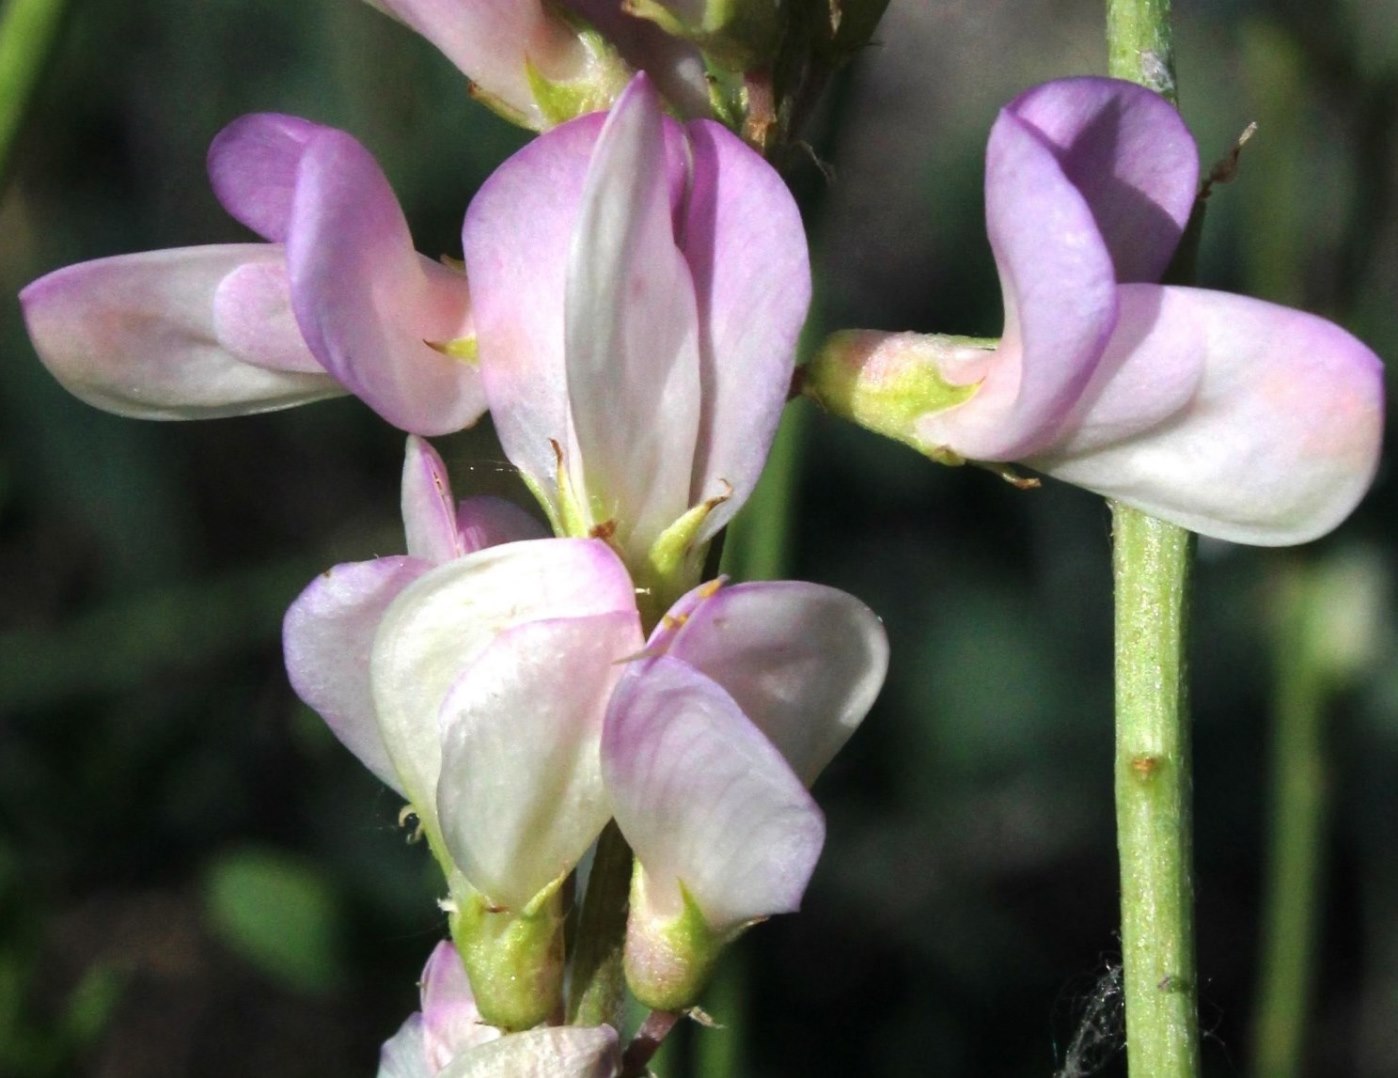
pixel 448 1038
pixel 539 62
pixel 639 288
pixel 336 301
pixel 742 697
pixel 1230 416
pixel 329 629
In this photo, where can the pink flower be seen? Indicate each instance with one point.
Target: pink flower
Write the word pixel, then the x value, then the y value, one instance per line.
pixel 1230 416
pixel 336 301
pixel 639 287
pixel 329 630
pixel 744 695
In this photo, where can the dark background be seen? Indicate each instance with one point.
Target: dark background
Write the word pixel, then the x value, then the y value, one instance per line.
pixel 196 879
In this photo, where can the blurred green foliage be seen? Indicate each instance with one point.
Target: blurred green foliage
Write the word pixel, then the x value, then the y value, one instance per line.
pixel 197 879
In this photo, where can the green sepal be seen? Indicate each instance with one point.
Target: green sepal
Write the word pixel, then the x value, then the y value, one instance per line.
pixel 607 75
pixel 736 35
pixel 888 382
pixel 514 958
pixel 674 561
pixel 668 964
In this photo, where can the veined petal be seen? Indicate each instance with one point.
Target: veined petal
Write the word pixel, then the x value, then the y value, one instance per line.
pixel 555 1051
pixel 327 637
pixel 1275 446
pixel 632 332
pixel 494 42
pixel 803 662
pixel 429 516
pixel 705 800
pixel 367 303
pixel 139 335
pixel 746 247
pixel 1060 305
pixel 520 735
pixel 515 241
pixel 441 623
pixel 1127 151
pixel 252 167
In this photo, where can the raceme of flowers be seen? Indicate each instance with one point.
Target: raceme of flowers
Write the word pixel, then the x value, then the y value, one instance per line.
pixel 637 284
pixel 517 705
pixel 1230 416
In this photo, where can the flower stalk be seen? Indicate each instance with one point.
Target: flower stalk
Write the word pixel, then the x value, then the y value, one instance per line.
pixel 1151 564
pixel 28 33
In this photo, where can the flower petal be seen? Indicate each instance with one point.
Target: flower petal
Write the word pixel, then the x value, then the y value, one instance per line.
pixel 1129 154
pixel 139 335
pixel 515 241
pixel 803 662
pixel 1276 445
pixel 327 636
pixel 520 735
pixel 555 1051
pixel 253 317
pixel 252 167
pixel 429 517
pixel 367 303
pixel 404 1055
pixel 746 247
pixel 704 799
pixel 632 331
pixel 488 521
pixel 1060 304
pixel 442 622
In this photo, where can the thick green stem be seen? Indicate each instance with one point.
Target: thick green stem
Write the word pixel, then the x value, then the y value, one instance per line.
pixel 28 30
pixel 599 985
pixel 1151 565
pixel 1139 45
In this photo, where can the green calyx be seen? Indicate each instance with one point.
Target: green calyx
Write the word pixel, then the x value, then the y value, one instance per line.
pixel 513 957
pixel 887 382
pixel 734 35
pixel 675 560
pixel 668 963
pixel 606 76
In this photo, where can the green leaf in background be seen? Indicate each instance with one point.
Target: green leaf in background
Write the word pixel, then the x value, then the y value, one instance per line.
pixel 279 914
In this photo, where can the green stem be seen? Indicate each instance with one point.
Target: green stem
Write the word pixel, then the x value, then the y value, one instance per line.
pixel 1151 564
pixel 1294 860
pixel 758 543
pixel 28 31
pixel 1139 45
pixel 599 983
